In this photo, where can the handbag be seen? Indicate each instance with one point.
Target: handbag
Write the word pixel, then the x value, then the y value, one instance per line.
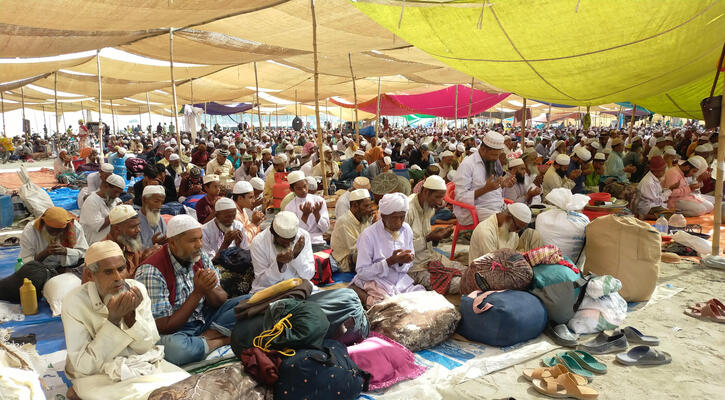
pixel 711 106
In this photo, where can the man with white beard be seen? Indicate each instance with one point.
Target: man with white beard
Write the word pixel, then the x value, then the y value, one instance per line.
pixel 223 231
pixel 95 210
pixel 153 227
pixel 125 230
pixel 348 228
pixel 310 209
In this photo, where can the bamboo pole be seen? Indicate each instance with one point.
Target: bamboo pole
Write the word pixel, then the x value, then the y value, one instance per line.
pixel 62 114
pixel 548 118
pixel 100 106
pixel 173 90
pixel 631 123
pixel 151 124
pixel 354 95
pixel 455 112
pixel 377 111
pixel 193 115
pixel 523 121
pixel 55 101
pixel 2 110
pixel 317 101
pixel 22 101
pixel 276 116
pixel 717 218
pixel 470 104
pixel 113 119
pixel 259 112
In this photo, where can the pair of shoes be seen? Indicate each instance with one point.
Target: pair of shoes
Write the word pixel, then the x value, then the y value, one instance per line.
pixel 711 310
pixel 603 343
pixel 644 355
pixel 562 336
pixel 577 361
pixel 565 385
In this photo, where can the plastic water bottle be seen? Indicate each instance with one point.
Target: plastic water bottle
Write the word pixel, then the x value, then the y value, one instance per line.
pixel 677 222
pixel 19 264
pixel 332 189
pixel 661 225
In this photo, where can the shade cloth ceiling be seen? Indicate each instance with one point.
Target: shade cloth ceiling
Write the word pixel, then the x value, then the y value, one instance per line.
pixel 440 103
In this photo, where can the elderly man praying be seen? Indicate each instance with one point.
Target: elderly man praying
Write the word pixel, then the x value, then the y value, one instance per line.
pixel 192 312
pixel 348 228
pixel 506 230
pixel 110 333
pixel 126 232
pixel 223 231
pixel 311 209
pixel 385 254
pixel 153 227
pixel 94 214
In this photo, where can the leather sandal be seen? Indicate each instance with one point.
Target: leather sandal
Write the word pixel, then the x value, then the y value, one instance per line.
pixel 717 303
pixel 551 372
pixel 565 386
pixel 709 312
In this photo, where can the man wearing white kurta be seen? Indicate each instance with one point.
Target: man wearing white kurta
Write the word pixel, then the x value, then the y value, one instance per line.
pixel 348 228
pixel 281 252
pixel 93 182
pixel 94 214
pixel 479 180
pixel 35 242
pixel 505 230
pixel 556 175
pixel 651 197
pixel 385 254
pixel 310 209
pixel 524 190
pixel 111 335
pixel 221 166
pixel 223 231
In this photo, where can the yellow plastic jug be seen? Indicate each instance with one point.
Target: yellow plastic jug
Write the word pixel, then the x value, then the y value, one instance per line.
pixel 28 298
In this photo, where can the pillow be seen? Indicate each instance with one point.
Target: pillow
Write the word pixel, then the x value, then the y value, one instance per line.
pixel 57 287
pixel 387 361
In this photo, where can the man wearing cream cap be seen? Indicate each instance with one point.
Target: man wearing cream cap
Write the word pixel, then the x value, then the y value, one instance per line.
pixel 192 311
pixel 343 202
pixel 556 176
pixel 110 333
pixel 310 209
pixel 281 252
pixel 126 232
pixel 153 227
pixel 94 214
pixel 429 268
pixel 223 231
pixel 385 254
pixel 348 228
pixel 507 229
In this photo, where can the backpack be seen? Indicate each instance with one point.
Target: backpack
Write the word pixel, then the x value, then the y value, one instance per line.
pixel 235 259
pixel 558 287
pixel 325 373
pixel 292 324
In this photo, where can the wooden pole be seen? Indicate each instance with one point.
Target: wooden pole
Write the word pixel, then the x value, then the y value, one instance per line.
pixel 354 95
pixel 55 101
pixel 173 89
pixel 470 104
pixel 100 106
pixel 276 116
pixel 523 121
pixel 22 101
pixel 2 110
pixel 151 124
pixel 259 113
pixel 377 111
pixel 455 112
pixel 548 118
pixel 193 115
pixel 717 218
pixel 631 123
pixel 317 101
pixel 62 114
pixel 113 119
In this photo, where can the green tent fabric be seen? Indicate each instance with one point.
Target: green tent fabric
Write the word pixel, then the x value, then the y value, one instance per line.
pixel 568 52
pixel 683 101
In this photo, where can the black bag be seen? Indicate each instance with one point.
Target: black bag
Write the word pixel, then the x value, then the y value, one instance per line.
pixel 244 332
pixel 235 259
pixel 38 274
pixel 327 373
pixel 711 106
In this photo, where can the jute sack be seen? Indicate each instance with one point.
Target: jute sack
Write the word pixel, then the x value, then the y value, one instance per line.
pixel 627 249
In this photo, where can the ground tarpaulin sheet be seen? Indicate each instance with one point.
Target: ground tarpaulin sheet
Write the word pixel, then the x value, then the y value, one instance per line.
pixel 44 178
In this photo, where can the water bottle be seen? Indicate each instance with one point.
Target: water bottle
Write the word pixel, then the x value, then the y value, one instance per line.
pixel 19 264
pixel 677 222
pixel 332 189
pixel 661 225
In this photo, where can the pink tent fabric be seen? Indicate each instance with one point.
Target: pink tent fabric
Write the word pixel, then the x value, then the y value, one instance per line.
pixel 439 103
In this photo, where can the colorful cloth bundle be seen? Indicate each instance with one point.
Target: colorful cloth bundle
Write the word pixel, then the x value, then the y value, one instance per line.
pixel 440 276
pixel 548 254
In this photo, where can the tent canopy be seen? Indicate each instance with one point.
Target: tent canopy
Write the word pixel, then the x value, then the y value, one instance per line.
pixel 213 108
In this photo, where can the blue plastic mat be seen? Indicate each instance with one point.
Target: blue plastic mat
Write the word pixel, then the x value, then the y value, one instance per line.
pixel 49 335
pixel 341 277
pixel 64 197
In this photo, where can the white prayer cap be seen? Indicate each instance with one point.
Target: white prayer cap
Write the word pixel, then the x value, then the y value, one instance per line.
pixel 359 194
pixel 699 163
pixel 493 140
pixel 326 148
pixel 520 211
pixel 596 145
pixel 415 167
pixel 393 202
pixel 116 181
pixel 242 187
pixel 289 147
pixel 361 182
pixel 359 153
pixel 607 150
pixel 708 146
pixel 211 178
pixel 452 147
pixel 174 157
pixel 121 151
pixel 266 150
pixel 311 183
pixel 434 182
pixel 451 174
pixel 106 167
pixel 257 183
pixel 515 162
pixel 669 150
pixel 286 224
pixel 387 160
pixel 701 149
pixel 461 148
pixel 185 141
pixel 172 141
pixel 295 176
pixel 388 151
pixel 363 143
pixel 660 139
pixel 583 154
pixel 121 213
pixel 471 150
pixel 446 154
pixel 562 159
pixel 600 157
pixel 181 223
pixel 101 250
pixel 223 204
pixel 279 159
pixel 153 189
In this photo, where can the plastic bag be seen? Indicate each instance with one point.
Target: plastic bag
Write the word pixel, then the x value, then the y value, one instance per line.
pixel 565 200
pixel 599 314
pixel 700 245
pixel 565 230
pixel 35 198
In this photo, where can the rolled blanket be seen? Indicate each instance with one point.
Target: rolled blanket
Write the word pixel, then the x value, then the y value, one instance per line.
pixel 440 276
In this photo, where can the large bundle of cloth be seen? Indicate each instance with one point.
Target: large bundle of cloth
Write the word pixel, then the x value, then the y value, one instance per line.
pixel 564 225
pixel 499 270
pixel 227 383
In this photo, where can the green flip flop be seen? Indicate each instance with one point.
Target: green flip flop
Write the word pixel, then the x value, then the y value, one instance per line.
pixel 587 361
pixel 573 365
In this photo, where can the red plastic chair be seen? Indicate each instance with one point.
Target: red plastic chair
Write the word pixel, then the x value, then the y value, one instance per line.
pixel 449 198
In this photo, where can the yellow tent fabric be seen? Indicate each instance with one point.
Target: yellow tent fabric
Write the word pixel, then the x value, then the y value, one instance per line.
pixel 111 68
pixel 12 72
pixel 575 53
pixel 683 101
